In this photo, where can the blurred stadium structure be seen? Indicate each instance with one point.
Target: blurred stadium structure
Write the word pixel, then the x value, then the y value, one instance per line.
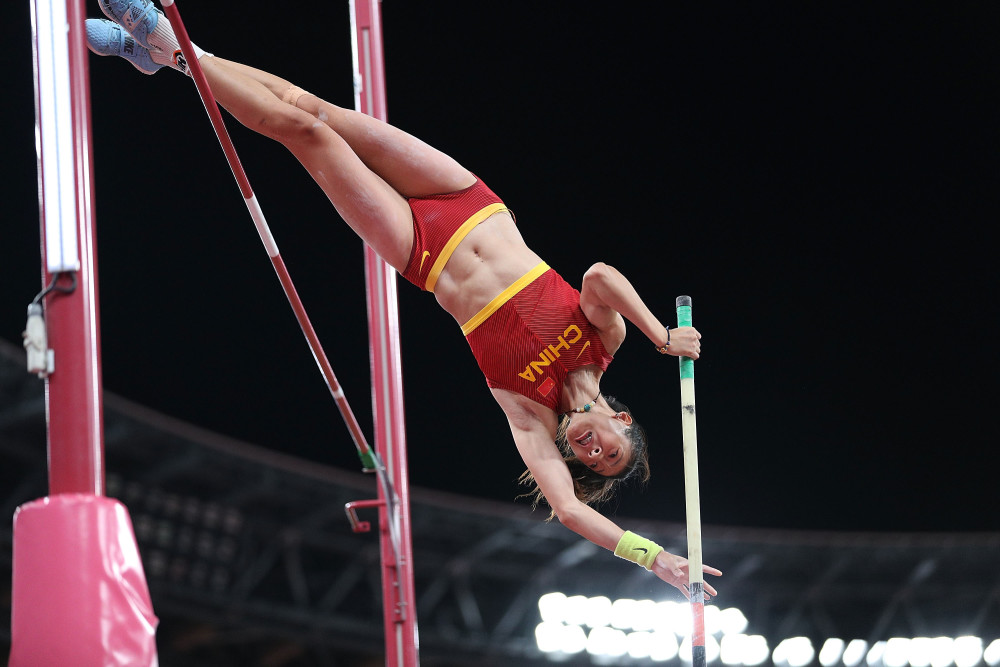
pixel 251 560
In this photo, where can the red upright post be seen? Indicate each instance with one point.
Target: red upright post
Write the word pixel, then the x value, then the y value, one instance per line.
pixel 73 395
pixel 79 593
pixel 399 609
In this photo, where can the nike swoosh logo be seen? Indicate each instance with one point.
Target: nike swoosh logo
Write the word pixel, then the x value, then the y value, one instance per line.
pixel 427 253
pixel 645 551
pixel 584 349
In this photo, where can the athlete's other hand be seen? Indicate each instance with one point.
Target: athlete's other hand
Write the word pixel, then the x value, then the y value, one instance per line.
pixel 685 342
pixel 674 570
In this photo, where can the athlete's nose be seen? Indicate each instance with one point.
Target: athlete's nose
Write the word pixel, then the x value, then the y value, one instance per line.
pixel 595 451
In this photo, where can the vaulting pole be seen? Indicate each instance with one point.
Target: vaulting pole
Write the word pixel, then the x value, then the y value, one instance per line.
pixel 264 231
pixel 388 459
pixel 696 579
pixel 399 608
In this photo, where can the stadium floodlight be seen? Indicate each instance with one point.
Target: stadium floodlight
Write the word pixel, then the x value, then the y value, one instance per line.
pixel 644 615
pixel 991 656
pixel 941 651
pixel 606 641
pixel 663 646
pixel 674 617
pixel 572 639
pixel 897 652
pixel 713 620
pixel 559 638
pixel 831 651
pixel 793 652
pixel 732 621
pixel 919 654
pixel 730 649
pixel 755 650
pixel 622 613
pixel 875 653
pixel 575 612
pixel 552 607
pixel 743 649
pixel 598 611
pixel 548 636
pixel 855 652
pixel 968 651
pixel 639 644
pixel 712 649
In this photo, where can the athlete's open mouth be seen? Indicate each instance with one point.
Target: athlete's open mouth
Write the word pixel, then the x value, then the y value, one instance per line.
pixel 586 438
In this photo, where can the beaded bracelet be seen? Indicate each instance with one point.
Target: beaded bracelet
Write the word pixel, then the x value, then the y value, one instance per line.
pixel 663 348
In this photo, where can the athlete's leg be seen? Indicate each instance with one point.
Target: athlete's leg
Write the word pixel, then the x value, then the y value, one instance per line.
pixel 365 167
pixel 372 207
pixel 410 166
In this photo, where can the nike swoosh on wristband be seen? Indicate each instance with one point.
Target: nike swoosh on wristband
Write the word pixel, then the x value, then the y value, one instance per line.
pixel 645 551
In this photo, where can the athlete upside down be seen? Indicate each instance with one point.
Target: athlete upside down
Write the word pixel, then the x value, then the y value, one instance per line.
pixel 542 345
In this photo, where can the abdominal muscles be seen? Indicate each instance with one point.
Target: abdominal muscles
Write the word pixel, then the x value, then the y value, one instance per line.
pixel 488 260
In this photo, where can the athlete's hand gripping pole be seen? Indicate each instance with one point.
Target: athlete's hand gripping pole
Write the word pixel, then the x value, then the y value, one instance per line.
pixel 696 580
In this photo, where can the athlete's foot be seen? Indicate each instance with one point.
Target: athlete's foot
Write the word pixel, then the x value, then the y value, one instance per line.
pixel 138 17
pixel 151 29
pixel 110 39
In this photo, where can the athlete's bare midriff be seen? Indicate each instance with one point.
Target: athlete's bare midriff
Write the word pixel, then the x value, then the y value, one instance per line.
pixel 486 262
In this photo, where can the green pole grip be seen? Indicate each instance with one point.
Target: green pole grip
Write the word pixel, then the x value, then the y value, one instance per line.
pixel 368 462
pixel 684 320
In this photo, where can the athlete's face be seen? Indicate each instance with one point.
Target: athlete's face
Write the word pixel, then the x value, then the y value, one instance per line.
pixel 599 440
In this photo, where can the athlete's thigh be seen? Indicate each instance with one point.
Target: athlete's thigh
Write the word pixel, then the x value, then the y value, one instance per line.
pixel 411 166
pixel 375 211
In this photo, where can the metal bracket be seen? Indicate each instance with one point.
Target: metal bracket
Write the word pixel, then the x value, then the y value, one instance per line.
pixel 357 525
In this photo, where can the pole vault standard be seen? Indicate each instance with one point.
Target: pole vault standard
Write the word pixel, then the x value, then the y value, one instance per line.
pixel 398 595
pixel 79 594
pixel 387 396
pixel 696 579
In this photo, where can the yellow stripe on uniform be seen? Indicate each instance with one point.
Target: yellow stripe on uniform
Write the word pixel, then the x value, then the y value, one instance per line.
pixel 456 238
pixel 503 298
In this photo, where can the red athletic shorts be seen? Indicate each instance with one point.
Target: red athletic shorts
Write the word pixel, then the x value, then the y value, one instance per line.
pixel 440 222
pixel 531 336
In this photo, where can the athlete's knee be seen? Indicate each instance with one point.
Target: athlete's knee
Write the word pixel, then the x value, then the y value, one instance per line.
pixel 292 94
pixel 290 125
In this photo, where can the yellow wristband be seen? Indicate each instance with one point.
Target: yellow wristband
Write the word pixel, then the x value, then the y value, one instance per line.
pixel 637 549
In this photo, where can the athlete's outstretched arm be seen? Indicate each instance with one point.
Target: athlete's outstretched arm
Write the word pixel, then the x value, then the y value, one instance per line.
pixel 606 296
pixel 533 430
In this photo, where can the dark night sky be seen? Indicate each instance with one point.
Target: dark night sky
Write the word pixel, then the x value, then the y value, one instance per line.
pixel 821 178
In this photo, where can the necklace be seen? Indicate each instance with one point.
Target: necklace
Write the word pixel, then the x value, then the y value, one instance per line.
pixel 588 406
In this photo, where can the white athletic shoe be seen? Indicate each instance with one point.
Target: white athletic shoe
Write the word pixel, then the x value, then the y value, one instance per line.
pixel 138 17
pixel 106 38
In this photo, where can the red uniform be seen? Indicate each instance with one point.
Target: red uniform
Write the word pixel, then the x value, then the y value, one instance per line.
pixel 440 222
pixel 529 338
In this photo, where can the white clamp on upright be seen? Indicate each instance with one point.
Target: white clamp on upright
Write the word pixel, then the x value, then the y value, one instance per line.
pixel 41 360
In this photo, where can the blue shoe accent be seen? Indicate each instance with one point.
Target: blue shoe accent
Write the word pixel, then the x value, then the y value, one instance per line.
pixel 110 39
pixel 138 17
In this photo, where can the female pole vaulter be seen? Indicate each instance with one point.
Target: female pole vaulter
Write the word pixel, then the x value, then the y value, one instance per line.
pixel 542 345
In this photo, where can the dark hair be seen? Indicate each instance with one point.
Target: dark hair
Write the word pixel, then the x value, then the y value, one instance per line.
pixel 592 488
